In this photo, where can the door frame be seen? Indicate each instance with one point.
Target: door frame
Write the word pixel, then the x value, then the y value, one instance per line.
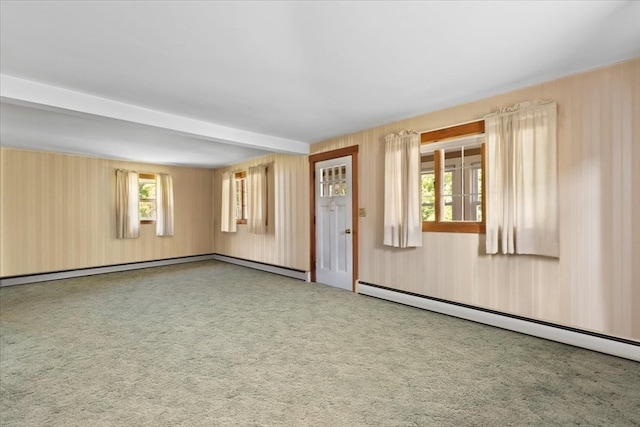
pixel 329 155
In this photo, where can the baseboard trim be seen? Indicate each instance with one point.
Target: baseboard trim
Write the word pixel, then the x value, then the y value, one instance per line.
pixel 283 271
pixel 614 346
pixel 56 275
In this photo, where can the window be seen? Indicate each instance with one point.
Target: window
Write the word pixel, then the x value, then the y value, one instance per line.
pixel 147 197
pixel 241 197
pixel 452 185
pixel 333 181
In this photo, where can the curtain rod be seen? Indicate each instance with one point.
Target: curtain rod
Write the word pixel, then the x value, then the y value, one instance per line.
pixel 520 106
pixel 149 173
pixel 505 110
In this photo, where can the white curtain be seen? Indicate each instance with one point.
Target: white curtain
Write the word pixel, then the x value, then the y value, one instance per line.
pixel 127 205
pixel 257 199
pixel 522 180
pixel 164 205
pixel 402 221
pixel 228 214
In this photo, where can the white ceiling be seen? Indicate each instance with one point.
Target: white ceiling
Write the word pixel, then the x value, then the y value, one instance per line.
pixel 212 83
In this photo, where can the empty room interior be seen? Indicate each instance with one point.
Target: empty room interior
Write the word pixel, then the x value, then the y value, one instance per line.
pixel 320 213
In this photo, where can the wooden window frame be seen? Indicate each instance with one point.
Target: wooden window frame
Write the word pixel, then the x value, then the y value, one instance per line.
pixel 242 176
pixel 466 129
pixel 147 176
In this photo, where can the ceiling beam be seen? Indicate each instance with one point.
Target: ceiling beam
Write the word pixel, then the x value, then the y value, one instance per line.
pixel 39 95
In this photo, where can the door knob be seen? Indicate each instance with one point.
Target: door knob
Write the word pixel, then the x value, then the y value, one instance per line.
pixel 347 231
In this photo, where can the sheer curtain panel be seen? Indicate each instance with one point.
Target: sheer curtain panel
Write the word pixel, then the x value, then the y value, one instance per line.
pixel 164 201
pixel 257 199
pixel 402 221
pixel 228 214
pixel 522 180
pixel 127 205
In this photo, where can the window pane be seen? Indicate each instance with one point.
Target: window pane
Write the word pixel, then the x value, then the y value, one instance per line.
pixel 471 204
pixel 462 184
pixel 476 178
pixel 428 196
pixel 428 212
pixel 333 181
pixel 238 199
pixel 453 208
pixel 147 190
pixel 447 185
pixel 147 196
pixel 241 198
pixel 447 214
pixel 244 198
pixel 147 211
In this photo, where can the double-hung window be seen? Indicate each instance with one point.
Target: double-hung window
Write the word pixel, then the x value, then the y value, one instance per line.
pixel 241 197
pixel 147 198
pixel 452 184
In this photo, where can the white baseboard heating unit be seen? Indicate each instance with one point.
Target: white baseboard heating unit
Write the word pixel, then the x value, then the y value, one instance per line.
pixel 615 346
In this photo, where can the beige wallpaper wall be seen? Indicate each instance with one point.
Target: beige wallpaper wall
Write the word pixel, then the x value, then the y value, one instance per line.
pixel 595 284
pixel 286 243
pixel 57 213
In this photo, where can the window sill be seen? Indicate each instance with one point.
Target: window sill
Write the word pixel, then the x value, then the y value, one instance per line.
pixel 454 227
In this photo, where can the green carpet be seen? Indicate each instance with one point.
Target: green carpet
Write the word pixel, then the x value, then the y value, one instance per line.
pixel 215 344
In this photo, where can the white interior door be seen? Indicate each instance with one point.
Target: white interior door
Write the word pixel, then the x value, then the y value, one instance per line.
pixel 334 236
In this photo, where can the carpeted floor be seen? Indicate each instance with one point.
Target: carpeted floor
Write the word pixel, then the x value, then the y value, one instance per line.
pixel 214 344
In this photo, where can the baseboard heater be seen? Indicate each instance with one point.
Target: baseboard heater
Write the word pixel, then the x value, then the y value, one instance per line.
pixel 615 346
pixel 283 271
pixel 67 274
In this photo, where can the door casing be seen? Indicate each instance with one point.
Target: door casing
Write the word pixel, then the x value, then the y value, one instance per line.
pixel 328 155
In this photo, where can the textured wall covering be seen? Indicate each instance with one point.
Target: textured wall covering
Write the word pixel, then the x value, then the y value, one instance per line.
pixel 286 242
pixel 596 282
pixel 58 213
